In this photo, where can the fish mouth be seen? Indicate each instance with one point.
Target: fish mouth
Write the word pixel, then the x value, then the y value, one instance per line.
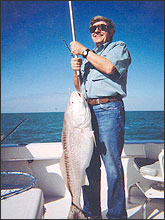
pixel 75 95
pixel 79 94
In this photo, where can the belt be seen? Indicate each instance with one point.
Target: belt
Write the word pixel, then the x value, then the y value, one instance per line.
pixel 103 100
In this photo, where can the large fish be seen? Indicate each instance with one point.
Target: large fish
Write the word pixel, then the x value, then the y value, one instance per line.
pixel 77 141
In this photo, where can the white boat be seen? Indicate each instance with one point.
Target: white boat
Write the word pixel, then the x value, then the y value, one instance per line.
pixel 50 199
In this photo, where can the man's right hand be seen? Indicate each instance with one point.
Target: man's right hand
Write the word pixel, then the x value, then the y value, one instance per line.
pixel 76 63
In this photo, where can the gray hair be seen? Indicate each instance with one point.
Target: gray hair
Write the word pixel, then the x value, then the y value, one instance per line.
pixel 108 21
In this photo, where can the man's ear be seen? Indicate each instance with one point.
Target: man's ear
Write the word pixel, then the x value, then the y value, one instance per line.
pixel 112 31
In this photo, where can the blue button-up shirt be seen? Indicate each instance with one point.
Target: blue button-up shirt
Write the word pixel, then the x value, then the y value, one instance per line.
pixel 98 84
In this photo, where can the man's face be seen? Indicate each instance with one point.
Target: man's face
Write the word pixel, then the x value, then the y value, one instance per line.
pixel 99 37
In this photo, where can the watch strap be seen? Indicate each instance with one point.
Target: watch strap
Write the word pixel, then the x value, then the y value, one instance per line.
pixel 87 50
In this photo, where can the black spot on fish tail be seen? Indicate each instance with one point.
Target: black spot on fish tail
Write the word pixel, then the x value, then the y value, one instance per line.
pixel 78 208
pixel 76 212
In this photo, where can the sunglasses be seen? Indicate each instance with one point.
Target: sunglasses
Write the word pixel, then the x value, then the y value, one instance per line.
pixel 101 27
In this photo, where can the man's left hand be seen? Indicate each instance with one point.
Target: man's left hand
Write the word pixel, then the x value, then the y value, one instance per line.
pixel 77 48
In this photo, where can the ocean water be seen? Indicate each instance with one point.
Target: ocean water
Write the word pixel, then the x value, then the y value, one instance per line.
pixel 140 126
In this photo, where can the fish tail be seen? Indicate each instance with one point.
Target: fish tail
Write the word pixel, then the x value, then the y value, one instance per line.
pixel 76 212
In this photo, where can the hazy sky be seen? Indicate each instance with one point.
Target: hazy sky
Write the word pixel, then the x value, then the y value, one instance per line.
pixel 35 64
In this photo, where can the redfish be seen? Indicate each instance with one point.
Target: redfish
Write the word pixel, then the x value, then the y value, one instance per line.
pixel 78 144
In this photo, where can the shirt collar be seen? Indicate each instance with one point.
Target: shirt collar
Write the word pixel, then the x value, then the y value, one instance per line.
pixel 103 46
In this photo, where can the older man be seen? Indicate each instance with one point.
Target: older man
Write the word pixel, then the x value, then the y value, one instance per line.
pixel 102 80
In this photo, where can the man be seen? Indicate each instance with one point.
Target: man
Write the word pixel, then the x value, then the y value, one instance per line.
pixel 103 77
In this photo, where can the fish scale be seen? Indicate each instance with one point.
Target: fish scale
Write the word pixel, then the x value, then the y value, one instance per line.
pixel 77 141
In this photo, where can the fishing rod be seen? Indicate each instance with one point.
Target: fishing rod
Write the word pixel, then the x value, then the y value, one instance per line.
pixel 66 44
pixel 72 21
pixel 13 130
pixel 74 35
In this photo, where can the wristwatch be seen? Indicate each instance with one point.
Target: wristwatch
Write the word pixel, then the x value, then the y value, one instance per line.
pixel 85 53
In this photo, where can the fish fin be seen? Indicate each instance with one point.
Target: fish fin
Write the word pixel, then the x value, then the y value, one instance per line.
pixel 86 182
pixel 94 140
pixel 90 134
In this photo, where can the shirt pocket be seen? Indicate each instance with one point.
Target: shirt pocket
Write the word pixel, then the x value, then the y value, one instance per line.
pixel 99 78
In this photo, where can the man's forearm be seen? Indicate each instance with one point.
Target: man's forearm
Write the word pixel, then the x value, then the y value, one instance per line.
pixel 100 63
pixel 77 81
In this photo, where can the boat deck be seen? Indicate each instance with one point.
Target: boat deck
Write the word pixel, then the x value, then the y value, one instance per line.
pixel 58 208
pixel 42 160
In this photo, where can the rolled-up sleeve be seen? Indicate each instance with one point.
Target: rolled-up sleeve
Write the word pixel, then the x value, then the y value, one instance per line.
pixel 119 57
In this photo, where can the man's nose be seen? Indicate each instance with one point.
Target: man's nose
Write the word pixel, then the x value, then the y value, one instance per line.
pixel 97 29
